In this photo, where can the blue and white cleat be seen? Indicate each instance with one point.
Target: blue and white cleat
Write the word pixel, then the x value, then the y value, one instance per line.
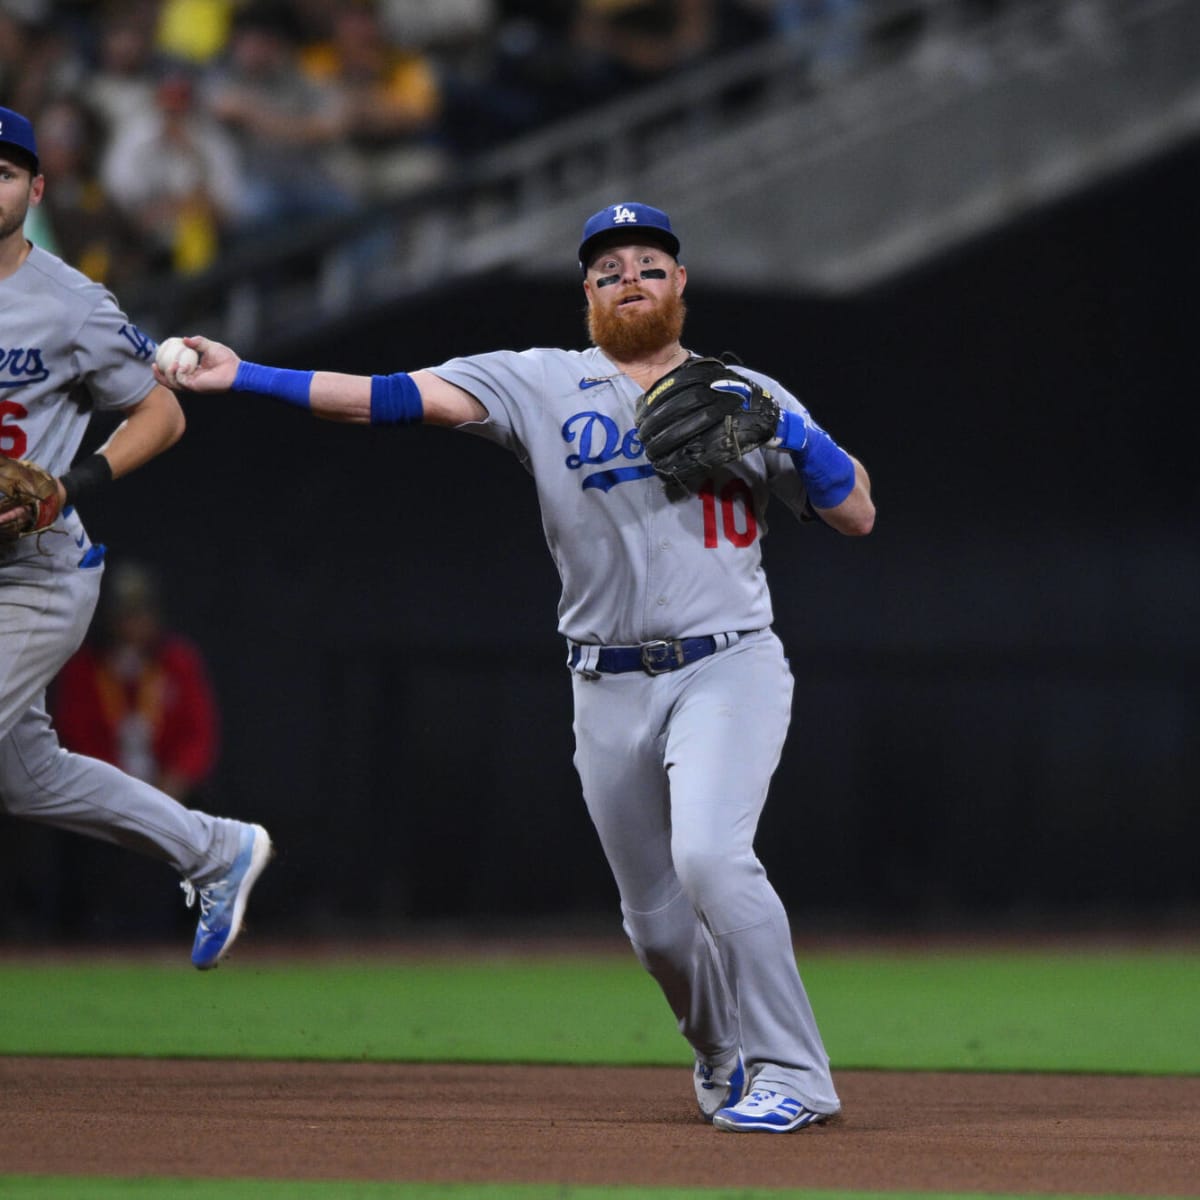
pixel 718 1087
pixel 223 902
pixel 767 1112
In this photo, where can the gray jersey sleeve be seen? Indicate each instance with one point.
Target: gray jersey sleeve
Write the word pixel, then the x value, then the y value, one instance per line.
pixel 70 350
pixel 512 386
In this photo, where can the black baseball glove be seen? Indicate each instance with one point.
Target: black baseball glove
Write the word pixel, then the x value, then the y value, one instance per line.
pixel 701 416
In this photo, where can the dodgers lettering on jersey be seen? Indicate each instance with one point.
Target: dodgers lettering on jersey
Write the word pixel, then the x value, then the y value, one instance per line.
pixel 20 367
pixel 600 441
pixel 60 330
pixel 636 562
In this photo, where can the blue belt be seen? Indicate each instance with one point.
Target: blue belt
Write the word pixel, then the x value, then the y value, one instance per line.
pixel 655 658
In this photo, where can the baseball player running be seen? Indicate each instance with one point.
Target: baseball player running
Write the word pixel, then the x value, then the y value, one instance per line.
pixel 67 348
pixel 682 691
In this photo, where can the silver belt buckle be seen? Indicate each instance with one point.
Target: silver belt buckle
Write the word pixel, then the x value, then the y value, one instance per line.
pixel 662 656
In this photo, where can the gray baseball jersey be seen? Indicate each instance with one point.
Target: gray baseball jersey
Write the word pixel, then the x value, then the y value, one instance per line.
pixel 675 767
pixel 635 566
pixel 68 350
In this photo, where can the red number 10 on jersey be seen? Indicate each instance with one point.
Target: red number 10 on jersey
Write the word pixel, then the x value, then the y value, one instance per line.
pixel 732 491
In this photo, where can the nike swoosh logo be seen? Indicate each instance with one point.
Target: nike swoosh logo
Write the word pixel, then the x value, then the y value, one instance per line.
pixel 586 383
pixel 80 540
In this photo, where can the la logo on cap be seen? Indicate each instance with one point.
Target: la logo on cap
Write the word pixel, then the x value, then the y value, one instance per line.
pixel 623 215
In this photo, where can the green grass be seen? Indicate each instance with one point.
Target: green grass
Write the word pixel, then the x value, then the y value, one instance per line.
pixel 1105 1012
pixel 1046 1011
pixel 1037 1011
pixel 63 1188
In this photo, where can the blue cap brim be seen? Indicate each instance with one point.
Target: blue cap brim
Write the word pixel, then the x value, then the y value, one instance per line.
pixel 629 235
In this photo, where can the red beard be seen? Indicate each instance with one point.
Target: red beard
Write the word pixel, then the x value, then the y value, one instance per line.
pixel 630 336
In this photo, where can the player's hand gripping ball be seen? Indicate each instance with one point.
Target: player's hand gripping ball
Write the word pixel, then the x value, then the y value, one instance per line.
pixel 174 357
pixel 24 485
pixel 702 416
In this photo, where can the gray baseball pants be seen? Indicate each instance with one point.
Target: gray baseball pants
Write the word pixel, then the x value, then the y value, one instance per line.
pixel 675 770
pixel 46 604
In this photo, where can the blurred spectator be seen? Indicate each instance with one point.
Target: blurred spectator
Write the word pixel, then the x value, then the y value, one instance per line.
pixel 449 23
pixel 194 31
pixel 641 40
pixel 138 695
pixel 391 104
pixel 483 99
pixel 175 172
pixel 120 87
pixel 287 126
pixel 836 27
pixel 311 20
pixel 15 37
pixel 519 74
pixel 76 219
pixel 552 59
pixel 946 46
pixel 40 54
pixel 745 22
pixel 832 30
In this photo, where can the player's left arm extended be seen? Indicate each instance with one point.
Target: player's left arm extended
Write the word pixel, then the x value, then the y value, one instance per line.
pixel 855 515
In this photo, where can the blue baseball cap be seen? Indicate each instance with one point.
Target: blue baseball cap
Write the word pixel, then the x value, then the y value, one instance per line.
pixel 16 131
pixel 627 222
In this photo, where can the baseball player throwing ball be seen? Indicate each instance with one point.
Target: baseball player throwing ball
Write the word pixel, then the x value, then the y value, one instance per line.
pixel 653 469
pixel 67 348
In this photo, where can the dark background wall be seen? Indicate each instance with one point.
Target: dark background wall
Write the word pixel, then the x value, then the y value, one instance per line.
pixel 996 714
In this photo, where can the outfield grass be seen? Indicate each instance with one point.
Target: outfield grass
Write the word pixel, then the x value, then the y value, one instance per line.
pixel 1039 1011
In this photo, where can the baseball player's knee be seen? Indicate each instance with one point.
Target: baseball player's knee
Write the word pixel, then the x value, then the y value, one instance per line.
pixel 32 765
pixel 11 772
pixel 703 857
pixel 665 935
pixel 719 884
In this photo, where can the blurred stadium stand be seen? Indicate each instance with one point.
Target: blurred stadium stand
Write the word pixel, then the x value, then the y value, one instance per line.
pixel 784 175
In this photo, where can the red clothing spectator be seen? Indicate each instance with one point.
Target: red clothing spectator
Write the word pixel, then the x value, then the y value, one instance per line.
pixel 140 697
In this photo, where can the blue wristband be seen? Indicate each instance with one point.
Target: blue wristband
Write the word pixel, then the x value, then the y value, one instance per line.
pixel 827 470
pixel 395 400
pixel 292 387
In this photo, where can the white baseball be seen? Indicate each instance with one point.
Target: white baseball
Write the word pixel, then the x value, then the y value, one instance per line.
pixel 173 356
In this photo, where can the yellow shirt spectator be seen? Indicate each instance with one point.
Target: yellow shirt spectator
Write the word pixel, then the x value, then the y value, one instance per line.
pixel 194 30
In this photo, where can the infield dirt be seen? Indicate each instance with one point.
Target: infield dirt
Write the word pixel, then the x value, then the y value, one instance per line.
pixel 931 1131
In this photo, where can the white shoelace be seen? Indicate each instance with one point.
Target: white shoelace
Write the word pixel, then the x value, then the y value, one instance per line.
pixel 191 891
